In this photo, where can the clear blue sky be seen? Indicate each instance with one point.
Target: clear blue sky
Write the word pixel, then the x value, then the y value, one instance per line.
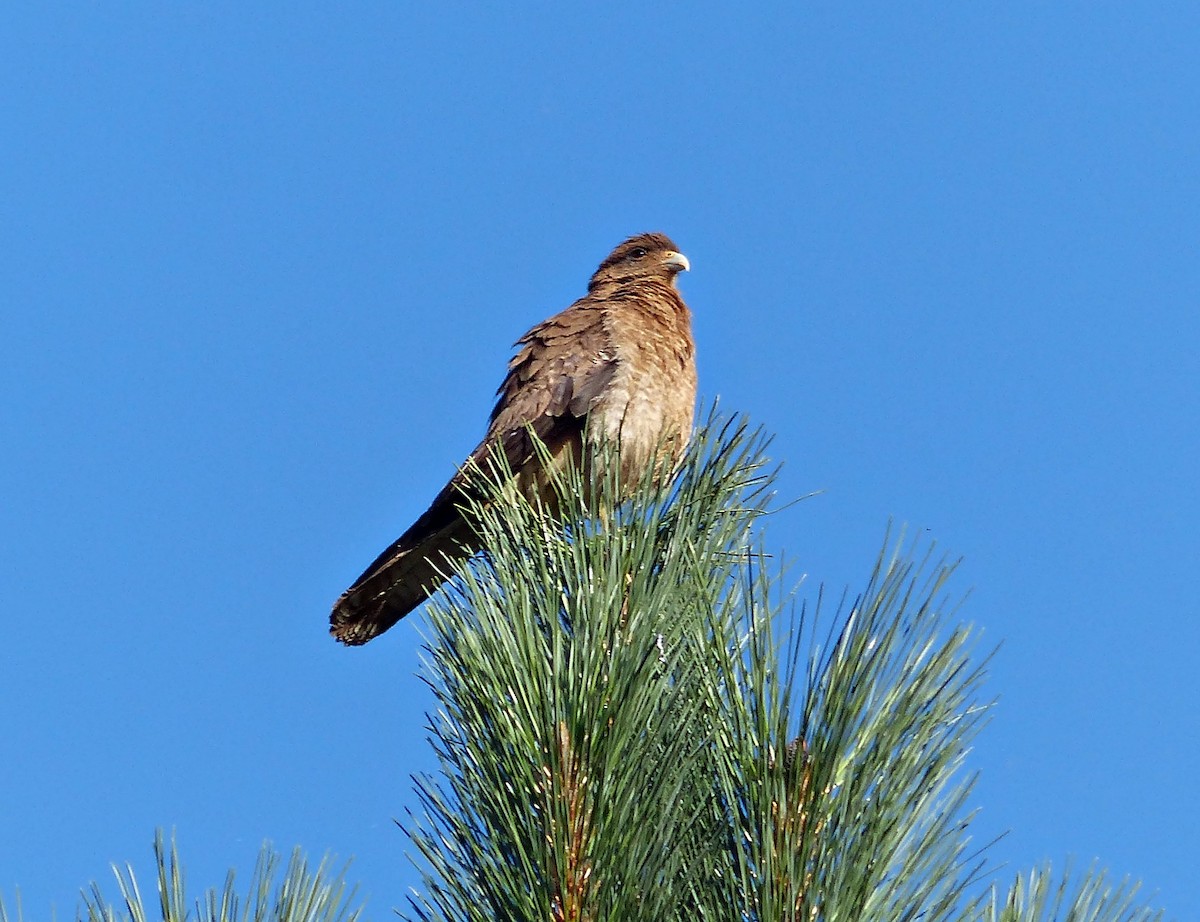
pixel 260 267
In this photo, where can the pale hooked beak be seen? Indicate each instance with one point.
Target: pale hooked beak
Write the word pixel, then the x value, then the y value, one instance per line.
pixel 676 261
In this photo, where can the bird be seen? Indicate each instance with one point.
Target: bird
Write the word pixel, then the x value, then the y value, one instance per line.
pixel 618 365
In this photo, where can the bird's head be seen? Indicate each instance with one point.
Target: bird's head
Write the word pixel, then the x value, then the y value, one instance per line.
pixel 643 256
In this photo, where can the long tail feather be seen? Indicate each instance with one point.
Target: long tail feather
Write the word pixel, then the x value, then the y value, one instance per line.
pixel 400 580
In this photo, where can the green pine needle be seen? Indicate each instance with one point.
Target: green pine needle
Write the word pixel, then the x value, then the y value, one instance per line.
pixel 1037 897
pixel 633 721
pixel 301 894
pixel 636 721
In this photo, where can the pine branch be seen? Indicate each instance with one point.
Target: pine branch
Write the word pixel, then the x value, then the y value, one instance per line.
pixel 853 807
pixel 299 895
pixel 635 721
pixel 592 633
pixel 1036 897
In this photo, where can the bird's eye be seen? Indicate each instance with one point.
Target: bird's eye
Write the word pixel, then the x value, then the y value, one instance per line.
pixel 637 252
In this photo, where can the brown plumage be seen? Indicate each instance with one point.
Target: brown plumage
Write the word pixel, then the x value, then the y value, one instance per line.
pixel 618 364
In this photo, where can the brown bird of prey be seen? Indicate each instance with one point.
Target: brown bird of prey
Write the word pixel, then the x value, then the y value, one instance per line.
pixel 617 365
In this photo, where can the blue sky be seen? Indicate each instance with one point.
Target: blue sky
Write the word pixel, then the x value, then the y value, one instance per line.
pixel 260 268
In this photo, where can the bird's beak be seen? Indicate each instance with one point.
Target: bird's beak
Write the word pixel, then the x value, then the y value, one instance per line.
pixel 676 261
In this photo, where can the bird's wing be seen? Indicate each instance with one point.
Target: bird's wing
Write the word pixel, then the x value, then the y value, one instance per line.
pixel 557 376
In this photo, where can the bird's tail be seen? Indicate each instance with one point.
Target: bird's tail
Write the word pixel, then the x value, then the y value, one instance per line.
pixel 400 579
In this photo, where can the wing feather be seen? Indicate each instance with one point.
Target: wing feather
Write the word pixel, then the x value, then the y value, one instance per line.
pixel 557 376
pixel 554 380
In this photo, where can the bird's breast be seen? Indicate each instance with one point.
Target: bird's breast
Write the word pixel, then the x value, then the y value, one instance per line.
pixel 648 406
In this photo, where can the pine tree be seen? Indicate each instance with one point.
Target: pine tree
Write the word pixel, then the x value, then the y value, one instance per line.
pixel 637 721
